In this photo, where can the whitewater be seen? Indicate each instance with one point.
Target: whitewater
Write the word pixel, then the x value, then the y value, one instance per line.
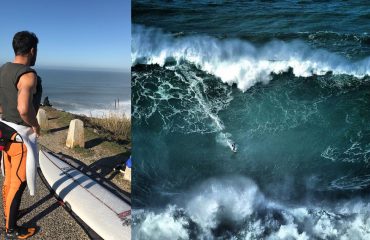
pixel 288 82
pixel 240 62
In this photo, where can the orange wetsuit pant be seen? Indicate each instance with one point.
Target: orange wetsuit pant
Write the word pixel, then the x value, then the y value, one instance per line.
pixel 14 182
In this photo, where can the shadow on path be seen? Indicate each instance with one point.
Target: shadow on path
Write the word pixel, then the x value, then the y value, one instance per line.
pixel 93 142
pixel 58 129
pixel 105 165
pixel 26 211
pixel 53 118
pixel 33 221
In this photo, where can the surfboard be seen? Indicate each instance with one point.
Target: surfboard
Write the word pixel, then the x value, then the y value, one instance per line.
pixel 104 212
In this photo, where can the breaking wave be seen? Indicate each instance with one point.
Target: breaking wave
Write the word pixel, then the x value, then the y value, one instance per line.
pixel 94 110
pixel 239 62
pixel 235 208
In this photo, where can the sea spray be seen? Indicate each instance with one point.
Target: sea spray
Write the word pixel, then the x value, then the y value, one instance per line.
pixel 223 137
pixel 299 114
pixel 182 91
pixel 215 204
pixel 237 61
pixel 234 208
pixel 161 226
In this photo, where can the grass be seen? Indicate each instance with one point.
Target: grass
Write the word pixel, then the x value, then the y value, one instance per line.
pixel 65 118
pixel 82 151
pixel 114 128
pixel 114 147
pixel 118 125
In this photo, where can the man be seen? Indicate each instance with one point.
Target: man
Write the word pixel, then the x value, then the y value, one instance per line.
pixel 20 96
pixel 233 147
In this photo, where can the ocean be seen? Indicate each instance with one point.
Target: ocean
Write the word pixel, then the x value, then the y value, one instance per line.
pixel 288 83
pixel 87 92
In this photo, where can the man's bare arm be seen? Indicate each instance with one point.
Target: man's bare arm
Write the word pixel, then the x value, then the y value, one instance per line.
pixel 26 88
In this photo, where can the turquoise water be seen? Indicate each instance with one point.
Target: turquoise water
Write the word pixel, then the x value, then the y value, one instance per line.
pixel 288 83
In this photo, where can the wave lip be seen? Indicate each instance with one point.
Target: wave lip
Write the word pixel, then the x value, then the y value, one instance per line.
pixel 240 62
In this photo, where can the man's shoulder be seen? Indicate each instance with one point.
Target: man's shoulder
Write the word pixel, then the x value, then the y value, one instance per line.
pixel 28 76
pixel 22 69
pixel 3 66
pixel 8 65
pixel 17 68
pixel 25 72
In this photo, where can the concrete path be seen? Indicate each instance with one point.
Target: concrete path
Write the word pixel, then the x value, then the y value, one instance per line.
pixel 44 211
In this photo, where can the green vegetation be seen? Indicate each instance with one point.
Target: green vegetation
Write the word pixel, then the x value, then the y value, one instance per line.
pixel 117 124
pixel 82 151
pixel 65 118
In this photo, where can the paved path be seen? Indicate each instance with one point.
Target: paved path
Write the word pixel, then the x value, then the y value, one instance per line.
pixel 43 211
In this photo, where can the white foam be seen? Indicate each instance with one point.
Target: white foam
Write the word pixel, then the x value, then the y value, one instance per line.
pixel 325 228
pixel 237 61
pixel 162 226
pixel 224 138
pixel 99 112
pixel 237 202
pixel 230 199
pixel 288 232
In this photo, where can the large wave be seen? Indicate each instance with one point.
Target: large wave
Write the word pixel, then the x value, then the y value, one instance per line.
pixel 235 208
pixel 240 62
pixel 189 103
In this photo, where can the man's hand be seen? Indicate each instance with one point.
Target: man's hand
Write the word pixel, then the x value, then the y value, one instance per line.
pixel 37 130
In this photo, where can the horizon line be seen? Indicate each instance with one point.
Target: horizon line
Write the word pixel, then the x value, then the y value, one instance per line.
pixel 86 68
pixel 91 68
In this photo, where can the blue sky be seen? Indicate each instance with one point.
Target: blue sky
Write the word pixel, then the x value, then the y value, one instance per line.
pixel 72 34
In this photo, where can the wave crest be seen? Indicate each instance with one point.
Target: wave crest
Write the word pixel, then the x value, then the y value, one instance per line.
pixel 235 208
pixel 240 62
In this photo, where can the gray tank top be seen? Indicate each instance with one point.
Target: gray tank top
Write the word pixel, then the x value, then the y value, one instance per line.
pixel 9 77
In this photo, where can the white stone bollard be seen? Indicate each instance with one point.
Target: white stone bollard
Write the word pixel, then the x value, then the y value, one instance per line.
pixel 42 119
pixel 127 174
pixel 76 136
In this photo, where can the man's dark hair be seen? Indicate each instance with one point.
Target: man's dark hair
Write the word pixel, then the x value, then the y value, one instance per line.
pixel 24 41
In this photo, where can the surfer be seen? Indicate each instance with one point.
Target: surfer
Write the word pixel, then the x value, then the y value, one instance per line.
pixel 20 96
pixel 46 102
pixel 233 147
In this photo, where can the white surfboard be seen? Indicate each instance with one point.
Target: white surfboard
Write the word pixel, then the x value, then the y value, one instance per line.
pixel 108 215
